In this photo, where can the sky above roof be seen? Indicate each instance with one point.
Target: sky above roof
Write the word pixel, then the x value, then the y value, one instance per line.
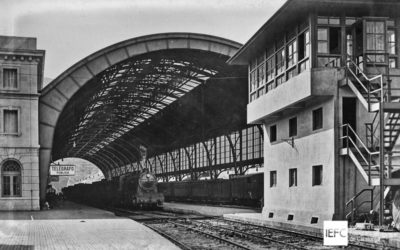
pixel 70 30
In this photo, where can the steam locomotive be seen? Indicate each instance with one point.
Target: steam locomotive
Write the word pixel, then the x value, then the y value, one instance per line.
pixel 134 190
pixel 139 190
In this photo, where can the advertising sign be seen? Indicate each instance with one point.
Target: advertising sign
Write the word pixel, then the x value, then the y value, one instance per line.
pixel 57 170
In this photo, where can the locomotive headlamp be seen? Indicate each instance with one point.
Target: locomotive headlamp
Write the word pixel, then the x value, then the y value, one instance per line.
pixel 148 175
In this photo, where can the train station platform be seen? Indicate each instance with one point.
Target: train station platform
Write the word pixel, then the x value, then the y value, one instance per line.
pixel 208 210
pixel 73 226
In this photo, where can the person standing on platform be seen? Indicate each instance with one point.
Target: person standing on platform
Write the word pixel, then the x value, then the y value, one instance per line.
pixel 50 195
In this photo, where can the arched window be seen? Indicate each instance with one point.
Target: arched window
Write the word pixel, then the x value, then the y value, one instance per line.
pixel 11 178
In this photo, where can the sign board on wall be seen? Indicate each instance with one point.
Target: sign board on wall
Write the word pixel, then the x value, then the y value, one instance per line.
pixel 56 169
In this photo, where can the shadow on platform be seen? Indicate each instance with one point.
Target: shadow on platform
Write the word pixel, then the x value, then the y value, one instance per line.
pixel 65 210
pixel 14 247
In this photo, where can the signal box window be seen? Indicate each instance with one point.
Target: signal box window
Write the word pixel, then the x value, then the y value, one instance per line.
pixel 293 127
pixel 329 46
pixel 329 40
pixel 304 50
pixel 291 54
pixel 11 178
pixel 328 20
pixel 375 35
pixel 272 133
pixel 317 119
pixel 375 38
pixel 10 80
pixel 270 69
pixel 272 179
pixel 280 62
pixel 317 175
pixel 304 45
pixel 391 48
pixel 293 177
pixel 323 40
pixel 334 40
pixel 391 36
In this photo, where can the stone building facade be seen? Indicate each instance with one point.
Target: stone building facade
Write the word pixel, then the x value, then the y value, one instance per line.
pixel 21 77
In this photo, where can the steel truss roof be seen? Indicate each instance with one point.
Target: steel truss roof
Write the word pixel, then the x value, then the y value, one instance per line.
pixel 159 100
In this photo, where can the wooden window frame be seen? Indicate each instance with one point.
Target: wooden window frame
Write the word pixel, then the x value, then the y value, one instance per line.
pixel 2 129
pixel 3 68
pixel 11 174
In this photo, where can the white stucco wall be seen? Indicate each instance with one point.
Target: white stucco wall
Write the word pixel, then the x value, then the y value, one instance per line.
pixel 311 148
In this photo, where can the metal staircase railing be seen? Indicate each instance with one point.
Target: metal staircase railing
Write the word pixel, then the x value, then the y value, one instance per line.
pixel 373 201
pixel 383 132
pixel 363 151
pixel 352 201
pixel 370 132
pixel 392 126
pixel 365 88
pixel 391 121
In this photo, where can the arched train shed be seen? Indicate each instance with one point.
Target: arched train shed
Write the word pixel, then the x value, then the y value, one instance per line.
pixel 155 92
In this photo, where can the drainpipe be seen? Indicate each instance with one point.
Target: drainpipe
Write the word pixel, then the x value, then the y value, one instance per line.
pixel 381 161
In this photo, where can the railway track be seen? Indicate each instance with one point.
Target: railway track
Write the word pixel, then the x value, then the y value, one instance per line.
pixel 205 232
pixel 306 237
pixel 194 238
pixel 253 232
pixel 228 236
pixel 149 217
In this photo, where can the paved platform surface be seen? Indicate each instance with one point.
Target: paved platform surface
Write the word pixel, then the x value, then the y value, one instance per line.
pixel 209 210
pixel 73 226
pixel 391 239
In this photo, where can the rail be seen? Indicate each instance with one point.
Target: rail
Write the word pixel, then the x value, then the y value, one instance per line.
pixel 332 61
pixel 296 232
pixel 346 128
pixel 394 132
pixel 350 63
pixel 253 235
pixel 371 128
pixel 352 202
pixel 213 236
pixel 370 131
pixel 349 128
pixel 170 238
pixel 378 67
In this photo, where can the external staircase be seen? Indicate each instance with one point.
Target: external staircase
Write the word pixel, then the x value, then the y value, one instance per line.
pixel 376 156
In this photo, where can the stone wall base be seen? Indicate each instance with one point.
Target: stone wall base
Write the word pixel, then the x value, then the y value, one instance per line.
pixel 15 204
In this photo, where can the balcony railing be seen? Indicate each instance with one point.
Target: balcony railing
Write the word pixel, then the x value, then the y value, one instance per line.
pixel 329 61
